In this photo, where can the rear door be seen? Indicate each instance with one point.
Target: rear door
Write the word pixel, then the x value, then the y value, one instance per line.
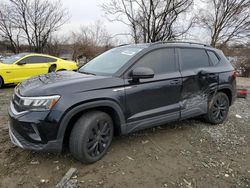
pixel 156 99
pixel 199 79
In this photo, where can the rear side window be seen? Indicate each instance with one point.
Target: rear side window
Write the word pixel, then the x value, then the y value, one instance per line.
pixel 160 61
pixel 38 59
pixel 194 58
pixel 214 59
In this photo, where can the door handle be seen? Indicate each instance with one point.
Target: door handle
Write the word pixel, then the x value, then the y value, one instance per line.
pixel 204 74
pixel 212 75
pixel 175 82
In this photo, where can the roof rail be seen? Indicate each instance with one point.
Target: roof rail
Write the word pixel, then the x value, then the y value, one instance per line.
pixel 185 42
pixel 122 45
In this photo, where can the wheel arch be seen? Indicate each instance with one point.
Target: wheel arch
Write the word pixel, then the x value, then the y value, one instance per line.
pixel 1 77
pixel 228 92
pixel 110 107
pixel 52 65
pixel 2 80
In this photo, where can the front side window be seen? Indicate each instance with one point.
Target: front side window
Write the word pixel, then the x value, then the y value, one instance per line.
pixel 110 62
pixel 160 61
pixel 193 58
pixel 31 59
pixel 38 59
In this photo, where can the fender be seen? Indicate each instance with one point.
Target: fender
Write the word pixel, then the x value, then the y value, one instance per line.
pixel 100 103
pixel 232 90
pixel 225 86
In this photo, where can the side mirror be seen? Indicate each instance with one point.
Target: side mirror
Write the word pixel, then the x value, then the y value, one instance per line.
pixel 21 62
pixel 142 73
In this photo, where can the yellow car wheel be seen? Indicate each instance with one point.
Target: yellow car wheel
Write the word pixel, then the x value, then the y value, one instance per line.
pixel 1 82
pixel 52 68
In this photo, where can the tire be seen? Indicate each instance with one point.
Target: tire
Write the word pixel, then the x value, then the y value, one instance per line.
pixel 52 68
pixel 1 82
pixel 218 108
pixel 91 136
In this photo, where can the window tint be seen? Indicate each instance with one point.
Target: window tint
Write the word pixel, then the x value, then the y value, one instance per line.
pixel 214 59
pixel 38 59
pixel 194 58
pixel 160 61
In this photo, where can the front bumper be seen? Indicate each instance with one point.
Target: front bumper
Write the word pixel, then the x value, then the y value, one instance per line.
pixel 18 140
pixel 30 130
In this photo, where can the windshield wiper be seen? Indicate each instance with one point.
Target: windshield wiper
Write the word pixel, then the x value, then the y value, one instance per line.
pixel 83 72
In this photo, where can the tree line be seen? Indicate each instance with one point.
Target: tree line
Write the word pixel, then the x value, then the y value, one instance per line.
pixel 33 23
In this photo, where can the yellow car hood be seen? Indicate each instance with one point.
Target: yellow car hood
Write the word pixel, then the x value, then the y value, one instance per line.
pixel 3 66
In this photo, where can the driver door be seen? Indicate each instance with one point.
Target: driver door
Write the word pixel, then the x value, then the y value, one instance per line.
pixel 28 67
pixel 154 100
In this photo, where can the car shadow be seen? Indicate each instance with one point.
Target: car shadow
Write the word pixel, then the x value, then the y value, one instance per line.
pixel 8 86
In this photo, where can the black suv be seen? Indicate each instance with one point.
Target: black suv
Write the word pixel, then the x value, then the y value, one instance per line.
pixel 125 89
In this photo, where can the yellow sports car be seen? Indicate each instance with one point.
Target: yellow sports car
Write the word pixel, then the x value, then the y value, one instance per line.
pixel 19 67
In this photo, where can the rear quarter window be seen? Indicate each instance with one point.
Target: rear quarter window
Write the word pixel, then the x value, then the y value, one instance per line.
pixel 213 57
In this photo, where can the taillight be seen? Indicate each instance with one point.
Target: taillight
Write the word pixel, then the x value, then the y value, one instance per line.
pixel 234 74
pixel 243 91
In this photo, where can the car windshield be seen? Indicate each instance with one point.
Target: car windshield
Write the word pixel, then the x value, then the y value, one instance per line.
pixel 11 59
pixel 109 62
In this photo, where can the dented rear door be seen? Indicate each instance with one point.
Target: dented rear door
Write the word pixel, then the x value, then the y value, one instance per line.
pixel 199 81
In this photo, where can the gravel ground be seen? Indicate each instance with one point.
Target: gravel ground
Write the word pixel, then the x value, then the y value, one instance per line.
pixel 188 154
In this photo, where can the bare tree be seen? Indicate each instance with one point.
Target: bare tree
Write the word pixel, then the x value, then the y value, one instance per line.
pixel 57 45
pixel 8 30
pixel 96 33
pixel 90 40
pixel 151 20
pixel 35 20
pixel 228 20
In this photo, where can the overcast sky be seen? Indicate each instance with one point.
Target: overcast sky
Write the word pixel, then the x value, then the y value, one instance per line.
pixel 84 12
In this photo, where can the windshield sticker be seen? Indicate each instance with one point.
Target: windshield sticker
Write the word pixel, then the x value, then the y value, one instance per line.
pixel 130 53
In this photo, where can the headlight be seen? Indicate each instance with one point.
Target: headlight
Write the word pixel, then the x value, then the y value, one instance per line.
pixel 38 103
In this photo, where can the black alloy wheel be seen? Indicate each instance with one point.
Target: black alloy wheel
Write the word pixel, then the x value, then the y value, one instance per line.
pixel 98 138
pixel 218 108
pixel 91 136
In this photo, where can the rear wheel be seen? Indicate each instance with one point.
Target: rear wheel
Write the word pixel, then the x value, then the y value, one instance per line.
pixel 91 136
pixel 218 108
pixel 52 68
pixel 1 82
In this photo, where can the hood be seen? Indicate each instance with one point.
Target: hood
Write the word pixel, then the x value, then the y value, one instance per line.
pixel 58 82
pixel 2 65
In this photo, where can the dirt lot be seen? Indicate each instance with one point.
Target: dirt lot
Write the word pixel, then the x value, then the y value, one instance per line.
pixel 189 154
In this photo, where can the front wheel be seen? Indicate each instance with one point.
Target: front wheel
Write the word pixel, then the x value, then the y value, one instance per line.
pixel 91 136
pixel 1 82
pixel 218 108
